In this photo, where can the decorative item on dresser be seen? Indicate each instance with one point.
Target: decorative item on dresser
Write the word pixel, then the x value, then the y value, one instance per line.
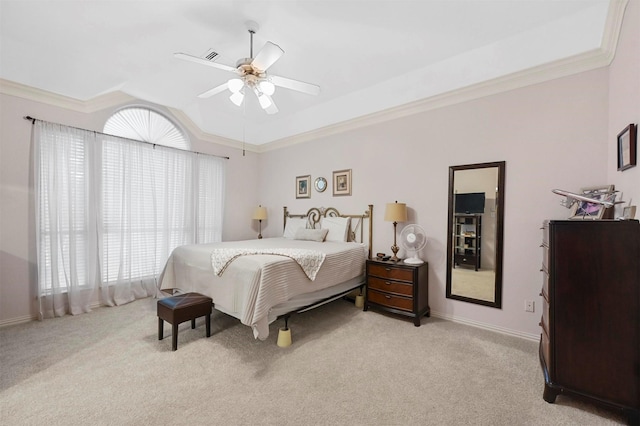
pixel 399 288
pixel 590 340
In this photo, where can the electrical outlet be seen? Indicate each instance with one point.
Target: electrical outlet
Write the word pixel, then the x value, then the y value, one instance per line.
pixel 529 306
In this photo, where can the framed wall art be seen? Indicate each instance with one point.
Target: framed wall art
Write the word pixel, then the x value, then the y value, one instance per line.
pixel 303 186
pixel 342 182
pixel 627 147
pixel 585 210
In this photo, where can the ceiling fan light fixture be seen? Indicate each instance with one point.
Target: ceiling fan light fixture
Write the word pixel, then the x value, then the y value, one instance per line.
pixel 267 87
pixel 237 98
pixel 235 85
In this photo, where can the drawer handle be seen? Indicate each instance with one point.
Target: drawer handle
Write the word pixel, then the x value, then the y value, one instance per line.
pixel 387 296
pixel 387 283
pixel 387 269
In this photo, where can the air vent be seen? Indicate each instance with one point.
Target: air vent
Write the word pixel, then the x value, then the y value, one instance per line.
pixel 211 55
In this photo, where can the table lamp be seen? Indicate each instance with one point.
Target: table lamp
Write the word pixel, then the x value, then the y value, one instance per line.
pixel 260 214
pixel 395 212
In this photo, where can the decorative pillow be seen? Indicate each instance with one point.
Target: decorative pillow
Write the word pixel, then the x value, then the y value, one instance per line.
pixel 311 234
pixel 293 224
pixel 338 228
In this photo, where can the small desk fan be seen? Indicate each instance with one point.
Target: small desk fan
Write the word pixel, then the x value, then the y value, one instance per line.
pixel 413 239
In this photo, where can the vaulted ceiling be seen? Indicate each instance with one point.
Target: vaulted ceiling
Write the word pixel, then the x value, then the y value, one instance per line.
pixel 367 56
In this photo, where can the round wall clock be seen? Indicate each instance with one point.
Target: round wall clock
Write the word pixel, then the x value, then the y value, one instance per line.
pixel 320 184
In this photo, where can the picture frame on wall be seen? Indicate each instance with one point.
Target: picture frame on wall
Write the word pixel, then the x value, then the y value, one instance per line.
pixel 627 144
pixel 583 210
pixel 303 186
pixel 342 182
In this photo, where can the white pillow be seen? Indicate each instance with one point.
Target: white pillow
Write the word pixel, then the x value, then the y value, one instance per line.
pixel 338 228
pixel 311 234
pixel 293 224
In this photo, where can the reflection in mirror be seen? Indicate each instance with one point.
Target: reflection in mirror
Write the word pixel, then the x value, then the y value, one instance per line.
pixel 475 228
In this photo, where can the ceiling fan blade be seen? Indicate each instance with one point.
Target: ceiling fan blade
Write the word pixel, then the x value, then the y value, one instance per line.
pixel 300 86
pixel 267 56
pixel 271 109
pixel 213 91
pixel 198 60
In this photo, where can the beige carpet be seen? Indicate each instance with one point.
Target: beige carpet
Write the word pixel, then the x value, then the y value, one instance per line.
pixel 346 367
pixel 474 284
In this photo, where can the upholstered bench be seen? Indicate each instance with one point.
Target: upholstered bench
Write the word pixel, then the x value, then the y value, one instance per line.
pixel 183 307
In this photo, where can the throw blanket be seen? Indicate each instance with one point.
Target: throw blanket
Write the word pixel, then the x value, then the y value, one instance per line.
pixel 309 260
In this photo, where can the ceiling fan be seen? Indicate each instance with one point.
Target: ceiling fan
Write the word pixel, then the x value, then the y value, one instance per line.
pixel 252 74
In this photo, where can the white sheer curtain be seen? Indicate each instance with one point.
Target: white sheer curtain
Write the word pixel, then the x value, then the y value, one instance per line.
pixel 66 206
pixel 111 210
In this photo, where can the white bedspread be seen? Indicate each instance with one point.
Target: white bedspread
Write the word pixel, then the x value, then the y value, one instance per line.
pixel 252 285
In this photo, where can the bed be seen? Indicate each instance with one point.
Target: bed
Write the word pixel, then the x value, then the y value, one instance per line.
pixel 320 257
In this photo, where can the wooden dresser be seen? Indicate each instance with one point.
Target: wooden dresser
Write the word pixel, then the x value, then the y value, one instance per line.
pixel 590 341
pixel 399 288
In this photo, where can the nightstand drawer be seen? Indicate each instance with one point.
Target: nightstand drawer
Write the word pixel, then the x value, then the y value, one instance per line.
pixel 391 272
pixel 390 286
pixel 386 299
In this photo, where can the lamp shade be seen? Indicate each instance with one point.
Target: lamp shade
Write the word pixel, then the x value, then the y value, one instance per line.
pixel 395 212
pixel 260 213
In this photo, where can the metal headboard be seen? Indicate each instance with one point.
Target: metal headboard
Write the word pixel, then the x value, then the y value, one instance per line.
pixel 315 214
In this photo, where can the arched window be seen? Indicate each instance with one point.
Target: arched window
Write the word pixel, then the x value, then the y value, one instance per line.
pixel 144 124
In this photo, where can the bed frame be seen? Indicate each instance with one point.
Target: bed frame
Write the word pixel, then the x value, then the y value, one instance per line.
pixel 314 215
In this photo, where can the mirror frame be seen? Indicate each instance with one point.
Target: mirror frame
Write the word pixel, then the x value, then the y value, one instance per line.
pixel 501 165
pixel 318 182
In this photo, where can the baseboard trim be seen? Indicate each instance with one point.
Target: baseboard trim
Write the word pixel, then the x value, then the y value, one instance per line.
pixel 17 320
pixel 28 318
pixel 485 326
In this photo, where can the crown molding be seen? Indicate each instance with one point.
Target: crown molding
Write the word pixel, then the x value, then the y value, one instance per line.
pixel 587 61
pixel 193 128
pixel 107 100
pixel 110 100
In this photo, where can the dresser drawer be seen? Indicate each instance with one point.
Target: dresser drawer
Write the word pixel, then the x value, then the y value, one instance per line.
pixel 389 286
pixel 545 311
pixel 546 349
pixel 391 273
pixel 545 284
pixel 389 300
pixel 545 257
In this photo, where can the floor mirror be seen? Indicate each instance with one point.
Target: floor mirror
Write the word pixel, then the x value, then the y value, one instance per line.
pixel 475 229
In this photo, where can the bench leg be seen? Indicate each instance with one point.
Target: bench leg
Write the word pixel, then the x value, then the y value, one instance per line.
pixel 208 324
pixel 160 328
pixel 174 337
pixel 193 324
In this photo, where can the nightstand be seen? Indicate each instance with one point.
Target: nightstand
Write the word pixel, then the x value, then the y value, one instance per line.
pixel 398 288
